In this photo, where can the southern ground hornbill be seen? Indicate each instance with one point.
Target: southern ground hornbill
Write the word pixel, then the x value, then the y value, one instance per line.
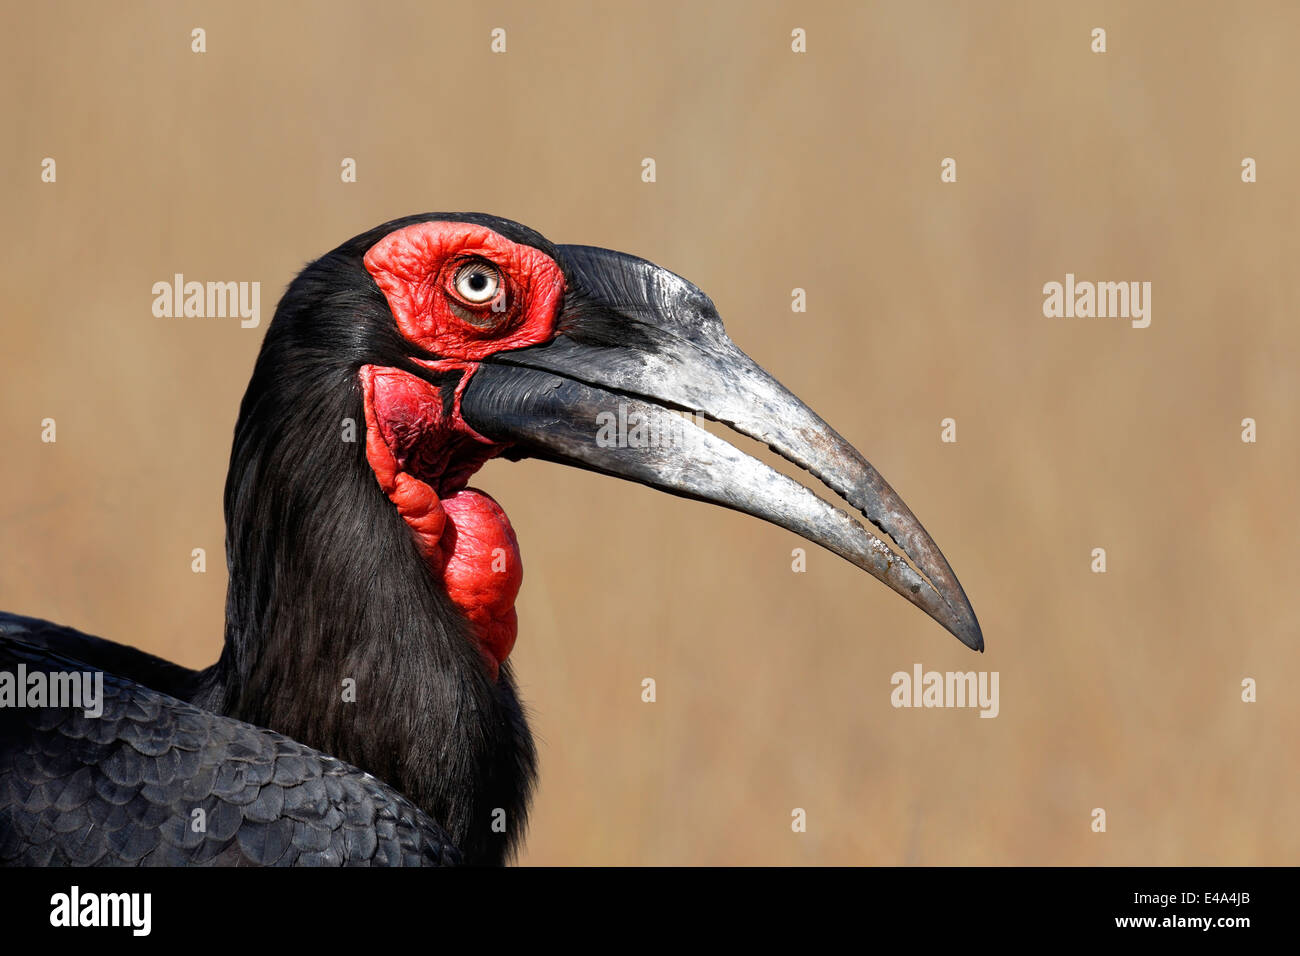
pixel 366 562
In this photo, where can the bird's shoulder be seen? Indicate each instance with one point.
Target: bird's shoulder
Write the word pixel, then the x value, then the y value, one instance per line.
pixel 129 775
pixel 124 661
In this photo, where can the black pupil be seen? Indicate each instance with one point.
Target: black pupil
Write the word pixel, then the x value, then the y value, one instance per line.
pixel 478 281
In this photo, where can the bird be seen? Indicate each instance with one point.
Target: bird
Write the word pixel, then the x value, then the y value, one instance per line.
pixel 363 709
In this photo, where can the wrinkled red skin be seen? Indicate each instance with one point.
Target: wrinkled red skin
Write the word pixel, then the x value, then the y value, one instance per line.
pixel 414 269
pixel 423 457
pixel 463 534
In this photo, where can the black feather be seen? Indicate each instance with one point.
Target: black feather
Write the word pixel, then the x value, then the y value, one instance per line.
pixel 87 817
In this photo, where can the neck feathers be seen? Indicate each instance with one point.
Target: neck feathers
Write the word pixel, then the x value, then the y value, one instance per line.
pixel 337 632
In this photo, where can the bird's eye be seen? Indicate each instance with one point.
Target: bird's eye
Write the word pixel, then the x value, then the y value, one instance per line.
pixel 477 282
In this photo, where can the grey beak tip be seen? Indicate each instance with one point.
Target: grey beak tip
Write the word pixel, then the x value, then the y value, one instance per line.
pixel 967 630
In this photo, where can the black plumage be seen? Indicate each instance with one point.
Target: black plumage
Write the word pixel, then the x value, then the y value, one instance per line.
pixel 153 780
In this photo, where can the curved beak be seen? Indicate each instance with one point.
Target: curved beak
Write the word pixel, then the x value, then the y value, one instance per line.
pixel 636 347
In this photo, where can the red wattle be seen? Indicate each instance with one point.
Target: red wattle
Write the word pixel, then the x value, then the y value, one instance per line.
pixel 464 535
pixel 481 568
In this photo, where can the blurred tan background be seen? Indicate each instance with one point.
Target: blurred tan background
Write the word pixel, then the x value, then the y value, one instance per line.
pixel 775 170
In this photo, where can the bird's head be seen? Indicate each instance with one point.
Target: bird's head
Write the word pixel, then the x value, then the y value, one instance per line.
pixel 469 337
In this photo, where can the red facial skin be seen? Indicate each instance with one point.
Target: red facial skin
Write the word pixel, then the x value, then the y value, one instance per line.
pixel 415 268
pixel 423 457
